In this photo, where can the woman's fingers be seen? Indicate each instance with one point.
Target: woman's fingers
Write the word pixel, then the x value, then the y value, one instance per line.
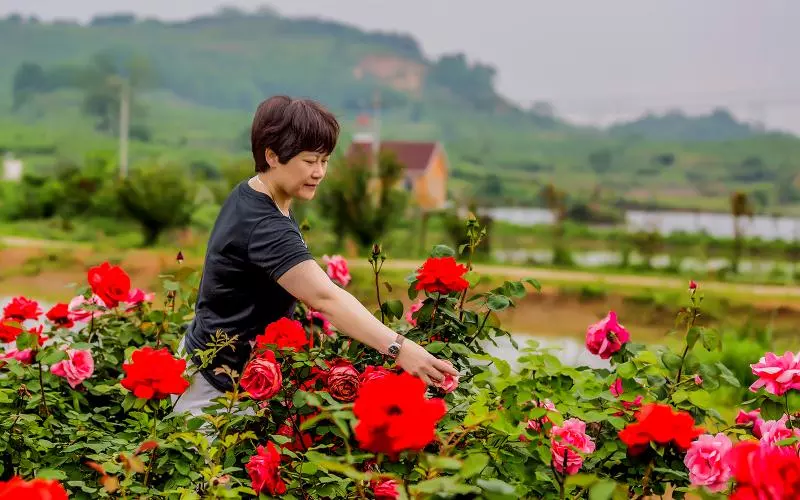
pixel 445 367
pixel 435 375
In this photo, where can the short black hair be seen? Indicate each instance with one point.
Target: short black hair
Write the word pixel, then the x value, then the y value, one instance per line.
pixel 290 126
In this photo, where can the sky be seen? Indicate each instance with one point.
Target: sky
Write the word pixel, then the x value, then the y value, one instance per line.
pixel 595 60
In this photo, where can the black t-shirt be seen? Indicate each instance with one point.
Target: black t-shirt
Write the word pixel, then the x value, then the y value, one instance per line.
pixel 251 245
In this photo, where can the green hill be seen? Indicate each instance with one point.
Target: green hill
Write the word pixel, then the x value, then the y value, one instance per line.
pixel 196 83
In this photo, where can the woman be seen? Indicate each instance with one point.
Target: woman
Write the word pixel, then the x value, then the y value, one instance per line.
pixel 257 264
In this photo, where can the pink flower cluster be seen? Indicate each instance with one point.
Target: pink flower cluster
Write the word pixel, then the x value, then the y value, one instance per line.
pixel 777 375
pixel 567 444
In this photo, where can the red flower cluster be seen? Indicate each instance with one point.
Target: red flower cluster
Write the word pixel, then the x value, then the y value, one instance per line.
pixel 441 275
pixel 660 424
pixel 764 472
pixel 21 308
pixel 264 470
pixel 60 316
pixel 262 377
pixel 110 283
pixel 154 374
pixel 394 415
pixel 284 334
pixel 37 489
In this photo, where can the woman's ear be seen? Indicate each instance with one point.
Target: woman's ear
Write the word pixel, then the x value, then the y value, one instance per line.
pixel 271 157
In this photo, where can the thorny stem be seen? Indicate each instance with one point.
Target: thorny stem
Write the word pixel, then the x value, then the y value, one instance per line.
pixel 646 479
pixel 686 349
pixel 433 315
pixel 480 328
pixel 377 270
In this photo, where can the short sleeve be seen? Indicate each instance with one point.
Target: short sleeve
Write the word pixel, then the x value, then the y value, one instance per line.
pixel 275 245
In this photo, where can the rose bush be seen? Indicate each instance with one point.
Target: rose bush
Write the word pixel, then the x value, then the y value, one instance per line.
pixel 314 415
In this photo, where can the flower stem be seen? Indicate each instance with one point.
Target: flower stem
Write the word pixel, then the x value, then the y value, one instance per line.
pixel 378 290
pixel 153 451
pixel 480 328
pixel 686 339
pixel 43 405
pixel 433 314
pixel 788 413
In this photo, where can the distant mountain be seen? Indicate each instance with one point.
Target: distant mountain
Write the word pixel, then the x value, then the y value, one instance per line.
pixel 718 125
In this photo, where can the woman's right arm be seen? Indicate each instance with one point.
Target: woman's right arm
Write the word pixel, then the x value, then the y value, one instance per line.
pixel 309 283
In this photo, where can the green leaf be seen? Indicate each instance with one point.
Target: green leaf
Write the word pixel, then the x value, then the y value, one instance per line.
pixel 435 347
pixel 726 375
pixel 394 307
pixel 701 399
pixel 671 360
pixel 52 357
pixel 51 474
pixel 771 410
pixel 460 349
pixel 442 251
pixel 711 340
pixel 474 464
pixel 680 396
pixel 500 489
pixel 787 441
pixel 171 286
pixel 461 248
pixel 534 283
pixel 447 463
pixel 26 340
pixel 581 480
pixel 412 291
pixel 472 278
pixel 692 336
pixel 344 469
pixel 626 370
pixel 602 490
pixel 498 302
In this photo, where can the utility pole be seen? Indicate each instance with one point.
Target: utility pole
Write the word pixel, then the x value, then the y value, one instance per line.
pixel 124 118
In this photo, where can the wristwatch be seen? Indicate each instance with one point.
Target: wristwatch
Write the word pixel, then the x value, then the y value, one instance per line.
pixel 394 348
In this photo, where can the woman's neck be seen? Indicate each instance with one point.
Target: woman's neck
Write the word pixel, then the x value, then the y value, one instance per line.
pixel 262 183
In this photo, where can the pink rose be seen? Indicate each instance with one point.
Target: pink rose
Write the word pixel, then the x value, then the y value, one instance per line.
pixel 777 374
pixel 692 285
pixel 136 296
pixel 537 423
pixel 606 337
pixel 317 318
pixel 262 377
pixel 80 314
pixel 385 490
pixel 373 373
pixel 706 461
pixel 416 306
pixel 698 380
pixel 449 384
pixel 616 388
pixel 569 440
pixel 751 419
pixel 76 369
pixel 343 381
pixel 773 431
pixel 25 356
pixel 337 269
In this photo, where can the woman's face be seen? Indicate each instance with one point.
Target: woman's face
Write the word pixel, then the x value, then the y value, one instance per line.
pixel 300 176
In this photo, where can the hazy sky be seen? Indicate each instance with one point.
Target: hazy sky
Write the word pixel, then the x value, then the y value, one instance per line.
pixel 594 59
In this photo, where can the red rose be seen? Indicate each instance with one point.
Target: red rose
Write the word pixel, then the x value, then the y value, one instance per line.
pixel 264 470
pixel 442 275
pixel 763 472
pixel 20 309
pixel 60 316
pixel 262 377
pixel 9 331
pixel 37 489
pixel 394 415
pixel 372 373
pixel 660 424
pixel 154 374
pixel 110 283
pixel 299 441
pixel 343 380
pixel 284 334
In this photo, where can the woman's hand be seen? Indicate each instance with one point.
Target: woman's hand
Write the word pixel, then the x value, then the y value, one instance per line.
pixel 414 359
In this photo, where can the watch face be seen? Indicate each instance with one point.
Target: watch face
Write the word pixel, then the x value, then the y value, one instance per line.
pixel 394 349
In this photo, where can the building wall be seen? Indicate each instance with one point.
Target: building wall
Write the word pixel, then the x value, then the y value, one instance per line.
pixel 430 189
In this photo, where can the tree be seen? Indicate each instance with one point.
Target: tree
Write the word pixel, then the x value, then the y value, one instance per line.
pixel 555 200
pixel 158 197
pixel 740 207
pixel 600 161
pixel 362 202
pixel 29 79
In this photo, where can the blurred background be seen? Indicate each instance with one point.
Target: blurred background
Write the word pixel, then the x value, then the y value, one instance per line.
pixel 615 150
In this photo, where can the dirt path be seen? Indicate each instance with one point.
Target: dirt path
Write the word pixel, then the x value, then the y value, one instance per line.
pixel 564 275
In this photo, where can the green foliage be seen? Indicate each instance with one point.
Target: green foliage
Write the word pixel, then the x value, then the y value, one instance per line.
pixel 363 201
pixel 158 197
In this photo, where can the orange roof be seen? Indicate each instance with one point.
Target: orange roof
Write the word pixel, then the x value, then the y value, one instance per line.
pixel 414 155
